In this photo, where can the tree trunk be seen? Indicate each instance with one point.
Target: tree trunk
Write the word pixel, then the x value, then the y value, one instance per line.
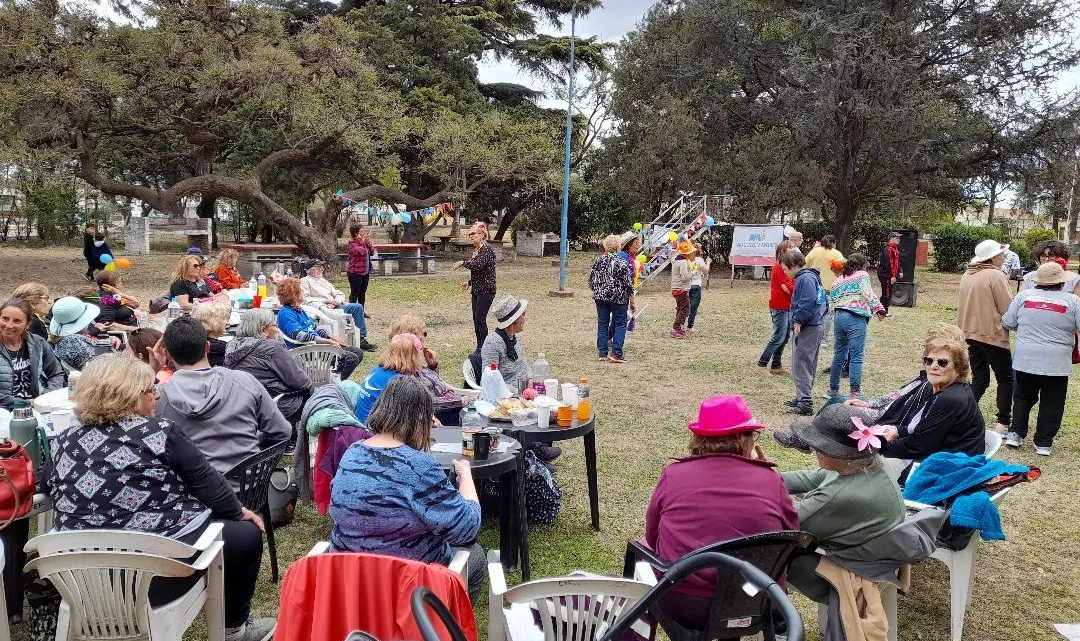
pixel 844 222
pixel 207 208
pixel 267 233
pixel 512 212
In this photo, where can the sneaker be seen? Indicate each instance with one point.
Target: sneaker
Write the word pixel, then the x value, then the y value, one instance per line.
pixel 792 440
pixel 791 403
pixel 617 359
pixel 777 371
pixel 1012 439
pixel 888 314
pixel 801 410
pixel 1042 450
pixel 547 453
pixel 602 359
pixel 366 346
pixel 678 333
pixel 253 630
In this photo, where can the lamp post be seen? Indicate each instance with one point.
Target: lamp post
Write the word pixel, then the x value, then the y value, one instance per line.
pixel 563 237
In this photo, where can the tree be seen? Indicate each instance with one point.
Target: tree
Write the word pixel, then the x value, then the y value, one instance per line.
pixel 221 100
pixel 841 100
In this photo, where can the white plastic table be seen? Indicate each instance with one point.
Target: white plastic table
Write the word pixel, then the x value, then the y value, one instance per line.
pixel 53 401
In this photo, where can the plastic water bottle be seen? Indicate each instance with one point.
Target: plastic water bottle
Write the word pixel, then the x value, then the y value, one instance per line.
pixel 470 418
pixel 541 368
pixel 262 285
pixel 24 430
pixel 491 384
pixel 174 309
pixel 253 285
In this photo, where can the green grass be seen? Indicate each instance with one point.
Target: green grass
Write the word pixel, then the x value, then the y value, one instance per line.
pixel 1023 585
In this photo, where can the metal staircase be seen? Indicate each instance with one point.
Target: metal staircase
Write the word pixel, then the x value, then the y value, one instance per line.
pixel 688 218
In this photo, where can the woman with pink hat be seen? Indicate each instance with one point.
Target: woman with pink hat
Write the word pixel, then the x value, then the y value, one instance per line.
pixel 724 490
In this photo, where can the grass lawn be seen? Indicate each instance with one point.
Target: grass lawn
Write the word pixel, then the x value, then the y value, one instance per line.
pixel 1023 585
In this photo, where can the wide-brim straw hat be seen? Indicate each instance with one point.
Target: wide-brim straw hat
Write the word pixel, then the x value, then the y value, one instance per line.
pixel 626 239
pixel 71 316
pixel 508 309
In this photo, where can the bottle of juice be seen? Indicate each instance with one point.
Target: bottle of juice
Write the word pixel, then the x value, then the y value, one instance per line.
pixel 584 406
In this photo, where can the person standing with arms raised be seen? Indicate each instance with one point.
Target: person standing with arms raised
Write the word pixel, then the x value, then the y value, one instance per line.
pixel 481 281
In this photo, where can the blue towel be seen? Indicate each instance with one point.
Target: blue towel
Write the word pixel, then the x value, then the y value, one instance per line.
pixel 945 475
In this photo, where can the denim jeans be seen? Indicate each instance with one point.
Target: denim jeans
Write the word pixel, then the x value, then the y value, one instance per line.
pixel 610 325
pixel 781 328
pixel 695 301
pixel 356 310
pixel 849 342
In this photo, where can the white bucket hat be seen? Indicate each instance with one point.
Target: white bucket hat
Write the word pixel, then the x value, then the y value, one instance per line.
pixel 987 249
pixel 508 309
pixel 71 316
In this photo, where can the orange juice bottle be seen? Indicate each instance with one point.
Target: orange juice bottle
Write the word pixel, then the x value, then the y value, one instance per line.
pixel 584 407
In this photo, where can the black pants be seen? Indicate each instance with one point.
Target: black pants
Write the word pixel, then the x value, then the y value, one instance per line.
pixel 1049 392
pixel 984 358
pixel 886 291
pixel 242 554
pixel 358 288
pixel 348 361
pixel 14 537
pixel 481 303
pixel 91 265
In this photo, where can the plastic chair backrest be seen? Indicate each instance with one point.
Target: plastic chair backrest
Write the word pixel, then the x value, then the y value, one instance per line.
pixel 107 593
pixel 469 374
pixel 993 443
pixel 251 476
pixel 577 608
pixel 317 361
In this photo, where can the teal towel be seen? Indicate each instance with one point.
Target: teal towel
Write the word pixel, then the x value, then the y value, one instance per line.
pixel 325 419
pixel 977 512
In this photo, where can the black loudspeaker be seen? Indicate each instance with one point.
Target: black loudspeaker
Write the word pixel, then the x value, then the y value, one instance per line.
pixel 903 294
pixel 909 241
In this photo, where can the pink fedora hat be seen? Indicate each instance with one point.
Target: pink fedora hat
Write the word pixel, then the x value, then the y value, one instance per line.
pixel 724 415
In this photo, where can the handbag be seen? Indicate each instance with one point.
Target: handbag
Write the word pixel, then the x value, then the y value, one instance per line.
pixel 543 497
pixel 281 496
pixel 17 483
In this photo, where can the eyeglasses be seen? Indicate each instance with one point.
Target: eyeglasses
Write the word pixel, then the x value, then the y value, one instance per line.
pixel 941 362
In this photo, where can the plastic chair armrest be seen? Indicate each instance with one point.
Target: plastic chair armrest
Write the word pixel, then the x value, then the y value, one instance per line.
pixel 496 575
pixel 211 534
pixel 207 557
pixel 642 553
pixel 319 548
pixel 459 563
pixel 644 572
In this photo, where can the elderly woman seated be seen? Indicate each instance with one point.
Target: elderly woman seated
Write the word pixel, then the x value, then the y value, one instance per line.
pixel 404 356
pixel 850 500
pixel 214 317
pixel 504 347
pixel 72 323
pixel 448 402
pixel 390 496
pixel 936 412
pixel 724 490
pixel 179 494
pixel 296 325
pixel 259 351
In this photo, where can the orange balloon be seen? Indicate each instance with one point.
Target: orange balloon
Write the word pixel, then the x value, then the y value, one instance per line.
pixel 123 263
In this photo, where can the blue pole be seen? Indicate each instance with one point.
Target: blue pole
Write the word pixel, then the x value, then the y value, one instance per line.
pixel 563 240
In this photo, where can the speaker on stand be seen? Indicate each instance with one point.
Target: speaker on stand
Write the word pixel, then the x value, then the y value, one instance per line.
pixel 905 288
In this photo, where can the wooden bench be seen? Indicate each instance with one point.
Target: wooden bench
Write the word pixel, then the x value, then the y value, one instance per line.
pixel 256 256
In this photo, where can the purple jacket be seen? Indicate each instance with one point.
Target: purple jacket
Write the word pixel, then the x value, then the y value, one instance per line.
pixel 701 500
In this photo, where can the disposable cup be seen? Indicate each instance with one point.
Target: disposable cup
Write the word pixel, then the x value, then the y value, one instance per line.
pixel 551 387
pixel 569 394
pixel 61 420
pixel 543 416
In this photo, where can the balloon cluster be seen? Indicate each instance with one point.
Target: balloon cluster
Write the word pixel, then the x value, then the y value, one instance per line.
pixel 112 263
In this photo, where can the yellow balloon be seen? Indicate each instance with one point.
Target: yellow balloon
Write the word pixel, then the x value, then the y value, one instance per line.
pixel 642 258
pixel 111 267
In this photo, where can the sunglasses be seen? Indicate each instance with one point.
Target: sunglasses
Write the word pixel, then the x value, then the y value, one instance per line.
pixel 941 362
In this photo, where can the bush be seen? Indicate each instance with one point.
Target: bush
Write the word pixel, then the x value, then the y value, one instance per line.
pixel 954 244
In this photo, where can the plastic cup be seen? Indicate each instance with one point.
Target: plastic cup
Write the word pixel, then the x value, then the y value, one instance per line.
pixel 481 446
pixel 569 394
pixel 543 416
pixel 566 416
pixel 551 387
pixel 61 420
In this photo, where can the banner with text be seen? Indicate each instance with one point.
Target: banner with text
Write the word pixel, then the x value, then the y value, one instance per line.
pixel 755 245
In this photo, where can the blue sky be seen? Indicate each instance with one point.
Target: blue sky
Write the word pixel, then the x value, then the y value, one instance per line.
pixel 609 23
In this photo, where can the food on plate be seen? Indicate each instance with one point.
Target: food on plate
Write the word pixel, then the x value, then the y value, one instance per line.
pixel 504 406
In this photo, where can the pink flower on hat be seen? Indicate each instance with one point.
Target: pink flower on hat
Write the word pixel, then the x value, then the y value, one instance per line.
pixel 866 436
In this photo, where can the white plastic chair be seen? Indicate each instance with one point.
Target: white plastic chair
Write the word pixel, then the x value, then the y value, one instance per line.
pixel 470 375
pixel 993 443
pixel 318 361
pixel 103 577
pixel 458 565
pixel 598 604
pixel 961 565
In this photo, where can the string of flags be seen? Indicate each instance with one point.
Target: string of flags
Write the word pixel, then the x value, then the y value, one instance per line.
pixel 388 215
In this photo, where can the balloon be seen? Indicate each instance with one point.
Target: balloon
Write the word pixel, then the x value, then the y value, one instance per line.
pixel 123 263
pixel 111 267
pixel 709 221
pixel 642 258
pixel 637 226
pixel 106 259
pixel 406 218
pixel 672 236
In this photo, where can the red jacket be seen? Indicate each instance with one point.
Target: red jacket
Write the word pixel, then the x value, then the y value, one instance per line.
pixel 778 298
pixel 326 596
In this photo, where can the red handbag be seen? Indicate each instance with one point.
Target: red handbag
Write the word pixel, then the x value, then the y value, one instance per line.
pixel 17 483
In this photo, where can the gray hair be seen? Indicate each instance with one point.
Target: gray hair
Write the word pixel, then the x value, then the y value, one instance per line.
pixel 404 410
pixel 253 321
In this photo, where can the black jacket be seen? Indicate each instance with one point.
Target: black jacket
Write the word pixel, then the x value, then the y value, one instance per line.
pixel 950 422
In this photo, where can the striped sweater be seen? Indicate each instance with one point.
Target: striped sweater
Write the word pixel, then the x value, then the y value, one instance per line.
pixel 854 294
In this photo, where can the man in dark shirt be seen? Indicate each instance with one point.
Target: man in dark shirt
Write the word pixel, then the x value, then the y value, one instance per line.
pixel 481 280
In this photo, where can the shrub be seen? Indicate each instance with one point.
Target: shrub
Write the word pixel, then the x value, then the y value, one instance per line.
pixel 954 244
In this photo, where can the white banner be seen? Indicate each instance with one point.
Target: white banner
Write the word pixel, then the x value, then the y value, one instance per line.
pixel 755 245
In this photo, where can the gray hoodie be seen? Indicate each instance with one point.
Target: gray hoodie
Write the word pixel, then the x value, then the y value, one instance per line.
pixel 228 414
pixel 269 362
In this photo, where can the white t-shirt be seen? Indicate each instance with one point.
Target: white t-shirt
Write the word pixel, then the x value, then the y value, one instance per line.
pixel 695 271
